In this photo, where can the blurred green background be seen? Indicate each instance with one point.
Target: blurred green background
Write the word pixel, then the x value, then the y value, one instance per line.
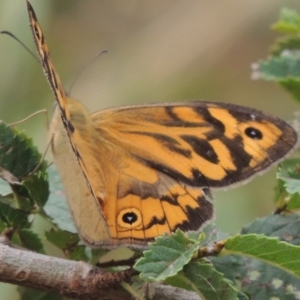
pixel 158 51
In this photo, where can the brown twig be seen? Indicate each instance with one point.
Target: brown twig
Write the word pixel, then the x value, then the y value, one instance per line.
pixel 73 279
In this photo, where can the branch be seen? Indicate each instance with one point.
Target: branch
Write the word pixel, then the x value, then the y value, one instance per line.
pixel 65 277
pixel 77 280
pixel 166 292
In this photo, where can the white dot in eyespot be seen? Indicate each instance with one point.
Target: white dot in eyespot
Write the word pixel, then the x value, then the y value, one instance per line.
pixel 253 117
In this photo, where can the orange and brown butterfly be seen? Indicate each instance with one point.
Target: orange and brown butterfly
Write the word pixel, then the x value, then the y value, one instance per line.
pixel 133 173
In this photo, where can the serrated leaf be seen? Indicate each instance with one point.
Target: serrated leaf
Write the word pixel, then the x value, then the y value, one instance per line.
pixel 22 197
pixel 211 234
pixel 18 157
pixel 205 280
pixel 68 243
pixel 38 188
pixel 13 217
pixel 56 207
pixel 166 256
pixel 17 153
pixel 61 238
pixel 259 278
pixel 289 21
pixel 287 190
pixel 232 266
pixel 30 240
pixel 284 69
pixel 292 185
pixel 267 282
pixel 279 68
pixel 268 249
pixel 289 173
pixel 285 227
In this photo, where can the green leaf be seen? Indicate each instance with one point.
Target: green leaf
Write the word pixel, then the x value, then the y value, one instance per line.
pixel 38 187
pixel 292 85
pixel 22 198
pixel 289 21
pixel 289 173
pixel 95 255
pixel 78 253
pixel 260 278
pixel 293 202
pixel 282 67
pixel 30 240
pixel 68 242
pixel 287 190
pixel 2 225
pixel 268 249
pixel 285 43
pixel 285 227
pixel 166 256
pixel 61 238
pixel 17 153
pixel 205 280
pixel 13 217
pixel 30 294
pixel 5 188
pixel 18 158
pixel 211 234
pixel 56 207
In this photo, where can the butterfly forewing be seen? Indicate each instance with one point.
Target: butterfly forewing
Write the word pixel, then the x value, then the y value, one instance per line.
pixel 47 64
pixel 202 144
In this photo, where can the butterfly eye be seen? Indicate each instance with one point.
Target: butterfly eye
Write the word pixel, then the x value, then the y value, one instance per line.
pixel 253 133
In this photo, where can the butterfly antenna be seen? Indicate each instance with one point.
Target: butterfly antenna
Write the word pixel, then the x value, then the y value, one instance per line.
pixel 19 41
pixel 41 160
pixel 84 69
pixel 42 111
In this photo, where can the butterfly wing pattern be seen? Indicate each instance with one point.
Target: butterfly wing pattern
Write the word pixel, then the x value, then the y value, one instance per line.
pixel 133 173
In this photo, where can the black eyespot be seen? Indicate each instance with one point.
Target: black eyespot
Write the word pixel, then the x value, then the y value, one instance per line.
pixel 253 133
pixel 129 217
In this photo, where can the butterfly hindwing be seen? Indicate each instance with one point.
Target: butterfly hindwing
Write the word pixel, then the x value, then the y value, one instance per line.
pixel 143 209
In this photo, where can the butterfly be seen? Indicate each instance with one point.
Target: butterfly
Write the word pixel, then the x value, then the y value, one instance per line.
pixel 133 173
